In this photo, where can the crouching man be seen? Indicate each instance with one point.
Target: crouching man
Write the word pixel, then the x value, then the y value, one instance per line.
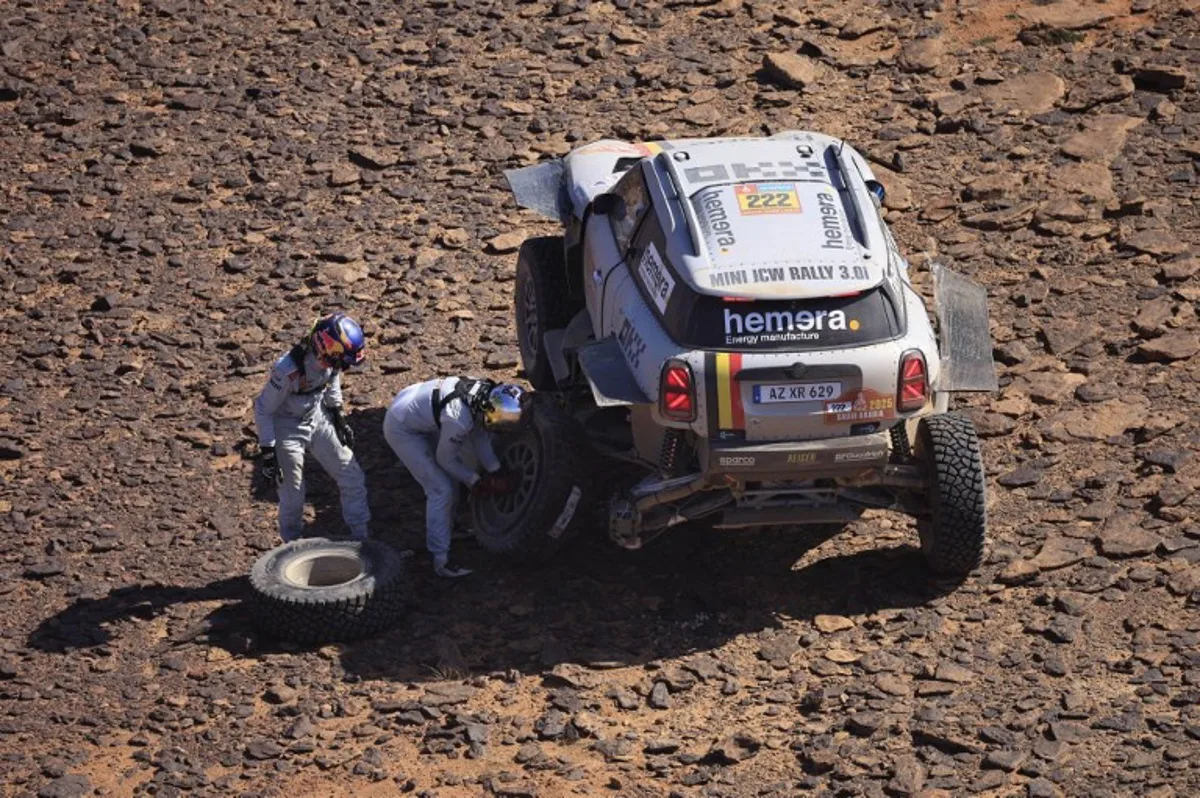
pixel 430 425
pixel 300 410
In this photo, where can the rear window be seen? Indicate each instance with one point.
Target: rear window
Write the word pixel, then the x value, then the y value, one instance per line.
pixel 800 324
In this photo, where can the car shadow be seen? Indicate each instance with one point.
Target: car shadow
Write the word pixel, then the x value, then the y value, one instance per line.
pixel 690 591
pixel 600 606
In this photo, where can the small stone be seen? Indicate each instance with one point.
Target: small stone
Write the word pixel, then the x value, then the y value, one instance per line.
pixel 1158 243
pixel 864 724
pixel 264 749
pixel 952 672
pixel 1122 537
pixel 1161 77
pixel 1007 761
pixel 45 568
pixel 342 176
pixel 455 238
pixel 1018 572
pixel 733 749
pixel 1020 477
pixel 371 158
pixel 922 55
pixel 506 242
pixel 908 776
pixel 70 785
pixel 280 694
pixel 552 725
pixel 1102 138
pixel 790 71
pixel 832 623
pixel 660 696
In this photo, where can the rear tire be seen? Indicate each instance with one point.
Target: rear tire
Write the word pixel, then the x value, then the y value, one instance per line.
pixel 953 538
pixel 543 302
pixel 548 459
pixel 316 590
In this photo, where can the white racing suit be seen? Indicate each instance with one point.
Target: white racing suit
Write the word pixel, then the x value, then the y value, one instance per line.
pixel 290 414
pixel 435 456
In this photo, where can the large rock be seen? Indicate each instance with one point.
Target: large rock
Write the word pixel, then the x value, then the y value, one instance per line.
pixel 1082 179
pixel 922 55
pixel 1173 346
pixel 1105 419
pixel 1162 77
pixel 1034 93
pixel 1102 138
pixel 1158 243
pixel 791 71
pixel 1122 537
pixel 1069 15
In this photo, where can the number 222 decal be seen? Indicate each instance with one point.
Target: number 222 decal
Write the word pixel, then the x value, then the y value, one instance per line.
pixel 754 198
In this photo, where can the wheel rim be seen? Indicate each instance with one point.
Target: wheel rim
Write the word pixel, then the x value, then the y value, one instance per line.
pixel 324 569
pixel 523 462
pixel 529 310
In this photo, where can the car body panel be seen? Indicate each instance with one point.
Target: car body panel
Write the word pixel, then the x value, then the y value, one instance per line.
pixel 733 230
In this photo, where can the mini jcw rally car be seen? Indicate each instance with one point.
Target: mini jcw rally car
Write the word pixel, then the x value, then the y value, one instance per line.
pixel 732 321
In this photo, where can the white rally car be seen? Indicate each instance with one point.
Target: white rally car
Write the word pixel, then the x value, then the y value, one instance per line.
pixel 732 321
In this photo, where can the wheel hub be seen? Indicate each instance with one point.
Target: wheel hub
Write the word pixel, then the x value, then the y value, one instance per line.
pixel 520 458
pixel 324 569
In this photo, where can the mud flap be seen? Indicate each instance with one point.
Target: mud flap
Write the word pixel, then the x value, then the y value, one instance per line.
pixel 612 383
pixel 540 188
pixel 963 337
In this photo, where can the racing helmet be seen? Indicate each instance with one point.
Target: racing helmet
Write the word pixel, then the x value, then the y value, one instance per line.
pixel 504 407
pixel 338 341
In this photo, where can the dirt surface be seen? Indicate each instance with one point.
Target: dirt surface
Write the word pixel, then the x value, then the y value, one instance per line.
pixel 185 185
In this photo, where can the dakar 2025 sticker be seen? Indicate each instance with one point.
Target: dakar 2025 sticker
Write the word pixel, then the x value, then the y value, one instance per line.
pixel 755 198
pixel 864 405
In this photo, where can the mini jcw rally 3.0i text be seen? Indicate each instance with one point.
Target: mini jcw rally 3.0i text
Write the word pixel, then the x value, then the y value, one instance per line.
pixel 731 322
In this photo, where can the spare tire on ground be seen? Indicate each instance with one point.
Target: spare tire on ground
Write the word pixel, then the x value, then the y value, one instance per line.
pixel 548 462
pixel 317 590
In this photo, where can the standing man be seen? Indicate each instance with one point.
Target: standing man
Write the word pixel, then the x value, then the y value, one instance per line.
pixel 430 425
pixel 300 410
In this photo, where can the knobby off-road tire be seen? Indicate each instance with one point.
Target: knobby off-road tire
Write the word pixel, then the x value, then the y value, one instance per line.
pixel 317 590
pixel 548 460
pixel 953 539
pixel 543 302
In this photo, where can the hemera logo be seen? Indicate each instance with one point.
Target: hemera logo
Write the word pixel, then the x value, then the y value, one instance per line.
pixel 782 321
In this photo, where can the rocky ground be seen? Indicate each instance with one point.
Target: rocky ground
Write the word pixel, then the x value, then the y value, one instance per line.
pixel 185 185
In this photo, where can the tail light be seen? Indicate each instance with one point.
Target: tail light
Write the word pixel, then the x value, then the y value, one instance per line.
pixel 677 394
pixel 914 381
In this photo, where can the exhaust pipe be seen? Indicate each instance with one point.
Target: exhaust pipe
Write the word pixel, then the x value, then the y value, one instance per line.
pixel 647 496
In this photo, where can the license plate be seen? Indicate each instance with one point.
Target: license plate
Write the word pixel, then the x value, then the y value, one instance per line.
pixel 796 392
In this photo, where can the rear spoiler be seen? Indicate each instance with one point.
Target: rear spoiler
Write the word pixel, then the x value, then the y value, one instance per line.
pixel 540 188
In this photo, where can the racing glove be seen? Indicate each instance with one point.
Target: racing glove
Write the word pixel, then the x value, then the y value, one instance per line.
pixel 496 483
pixel 341 427
pixel 268 466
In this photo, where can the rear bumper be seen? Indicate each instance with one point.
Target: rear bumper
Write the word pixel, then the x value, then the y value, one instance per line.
pixel 795 460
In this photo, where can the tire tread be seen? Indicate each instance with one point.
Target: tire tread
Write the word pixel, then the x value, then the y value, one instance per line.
pixel 958 494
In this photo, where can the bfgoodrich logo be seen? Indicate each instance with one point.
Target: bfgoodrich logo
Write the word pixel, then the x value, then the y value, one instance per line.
pixel 782 325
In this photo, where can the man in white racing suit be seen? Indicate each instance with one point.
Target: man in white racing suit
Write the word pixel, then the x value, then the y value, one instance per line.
pixel 300 410
pixel 430 426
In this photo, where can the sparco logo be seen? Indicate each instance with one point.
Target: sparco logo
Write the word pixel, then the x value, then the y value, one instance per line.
pixel 736 461
pixel 717 218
